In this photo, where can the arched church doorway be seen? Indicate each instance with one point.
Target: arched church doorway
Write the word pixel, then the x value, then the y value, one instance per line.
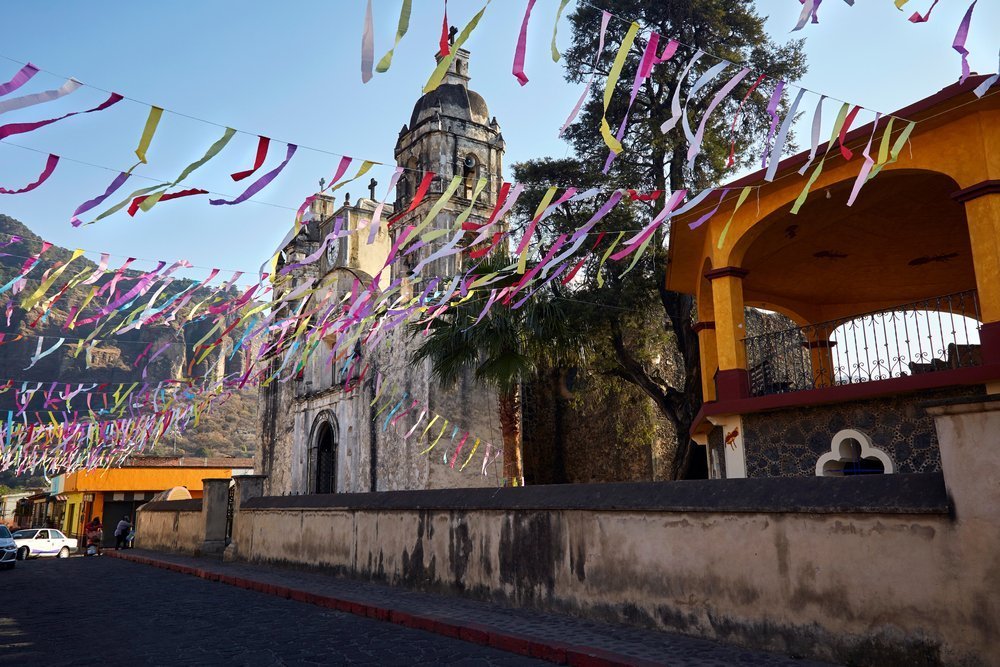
pixel 324 454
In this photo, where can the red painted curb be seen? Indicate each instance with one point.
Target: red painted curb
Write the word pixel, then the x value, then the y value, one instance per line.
pixel 474 633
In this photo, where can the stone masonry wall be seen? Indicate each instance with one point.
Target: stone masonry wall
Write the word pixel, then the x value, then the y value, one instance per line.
pixel 788 442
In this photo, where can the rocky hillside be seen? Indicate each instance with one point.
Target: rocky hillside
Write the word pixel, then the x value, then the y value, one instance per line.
pixel 229 430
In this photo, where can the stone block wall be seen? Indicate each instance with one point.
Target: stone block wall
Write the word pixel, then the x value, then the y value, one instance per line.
pixel 788 442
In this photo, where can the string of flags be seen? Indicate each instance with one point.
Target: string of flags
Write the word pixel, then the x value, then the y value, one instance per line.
pixel 291 325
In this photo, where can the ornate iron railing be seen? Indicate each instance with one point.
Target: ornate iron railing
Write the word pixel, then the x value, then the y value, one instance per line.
pixel 925 336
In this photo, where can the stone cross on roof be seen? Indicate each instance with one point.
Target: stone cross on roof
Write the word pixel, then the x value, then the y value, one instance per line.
pixel 371 189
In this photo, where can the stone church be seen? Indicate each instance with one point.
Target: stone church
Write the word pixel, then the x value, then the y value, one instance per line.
pixel 320 435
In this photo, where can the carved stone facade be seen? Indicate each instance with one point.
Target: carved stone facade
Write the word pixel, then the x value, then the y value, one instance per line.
pixel 318 437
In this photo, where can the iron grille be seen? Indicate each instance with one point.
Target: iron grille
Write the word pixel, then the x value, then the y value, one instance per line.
pixel 940 333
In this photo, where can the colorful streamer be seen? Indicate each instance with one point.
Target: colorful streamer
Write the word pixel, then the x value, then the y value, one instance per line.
pixel 960 38
pixel 522 44
pixel 262 145
pixel 152 122
pixel 260 183
pixel 21 128
pixel 22 77
pixel 401 28
pixel 25 101
pixel 449 54
pixel 50 166
pixel 612 81
pixel 605 18
pixel 367 45
pixel 555 30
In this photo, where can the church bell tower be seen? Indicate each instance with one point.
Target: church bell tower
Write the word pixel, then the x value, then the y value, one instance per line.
pixel 450 133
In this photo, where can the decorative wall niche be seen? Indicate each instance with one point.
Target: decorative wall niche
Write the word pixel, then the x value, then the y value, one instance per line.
pixel 852 453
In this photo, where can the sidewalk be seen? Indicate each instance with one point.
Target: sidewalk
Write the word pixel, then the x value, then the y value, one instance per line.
pixel 552 637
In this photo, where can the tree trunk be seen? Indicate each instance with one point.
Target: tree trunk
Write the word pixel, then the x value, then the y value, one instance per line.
pixel 509 402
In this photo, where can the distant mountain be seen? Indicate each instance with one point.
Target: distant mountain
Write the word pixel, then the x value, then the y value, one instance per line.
pixel 230 429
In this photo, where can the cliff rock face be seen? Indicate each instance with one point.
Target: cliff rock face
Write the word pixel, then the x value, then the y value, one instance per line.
pixel 230 430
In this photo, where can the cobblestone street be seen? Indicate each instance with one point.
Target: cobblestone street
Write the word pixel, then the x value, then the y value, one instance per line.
pixel 86 611
pixel 82 610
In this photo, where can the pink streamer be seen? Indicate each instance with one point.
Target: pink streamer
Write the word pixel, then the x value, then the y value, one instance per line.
pixel 522 43
pixel 20 128
pixel 50 166
pixel 645 69
pixel 917 18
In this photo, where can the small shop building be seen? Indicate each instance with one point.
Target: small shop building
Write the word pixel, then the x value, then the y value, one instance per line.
pixel 113 493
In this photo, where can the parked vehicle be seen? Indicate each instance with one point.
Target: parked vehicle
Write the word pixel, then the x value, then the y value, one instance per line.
pixel 8 549
pixel 43 542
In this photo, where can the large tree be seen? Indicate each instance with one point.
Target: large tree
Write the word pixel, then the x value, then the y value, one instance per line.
pixel 651 161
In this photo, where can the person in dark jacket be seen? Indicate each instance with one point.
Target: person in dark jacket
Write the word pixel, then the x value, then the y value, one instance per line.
pixel 121 533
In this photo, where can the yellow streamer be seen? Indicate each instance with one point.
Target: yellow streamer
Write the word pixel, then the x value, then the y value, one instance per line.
pixel 433 444
pixel 555 29
pixel 30 302
pixel 892 155
pixel 522 261
pixel 801 199
pixel 438 205
pixel 213 150
pixel 609 87
pixel 739 202
pixel 402 27
pixel 464 215
pixel 147 133
pixel 600 278
pixel 471 454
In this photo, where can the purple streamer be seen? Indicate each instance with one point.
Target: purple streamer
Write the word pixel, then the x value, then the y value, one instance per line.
pixel 22 77
pixel 960 37
pixel 772 110
pixel 260 183
pixel 703 219
pixel 97 201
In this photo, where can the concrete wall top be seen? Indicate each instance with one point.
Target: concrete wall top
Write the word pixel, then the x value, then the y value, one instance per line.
pixel 193 505
pixel 876 494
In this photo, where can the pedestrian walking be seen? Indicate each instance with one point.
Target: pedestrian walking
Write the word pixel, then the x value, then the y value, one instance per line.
pixel 121 533
pixel 95 535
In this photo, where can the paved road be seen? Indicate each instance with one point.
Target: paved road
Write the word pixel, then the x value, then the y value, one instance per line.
pixel 85 611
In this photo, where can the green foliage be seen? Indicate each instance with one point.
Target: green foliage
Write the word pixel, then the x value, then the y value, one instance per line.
pixel 636 331
pixel 729 29
pixel 505 346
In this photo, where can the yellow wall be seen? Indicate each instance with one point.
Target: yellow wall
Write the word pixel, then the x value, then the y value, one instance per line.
pixel 142 479
pixel 958 142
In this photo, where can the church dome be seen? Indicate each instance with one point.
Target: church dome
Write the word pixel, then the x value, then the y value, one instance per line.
pixel 453 99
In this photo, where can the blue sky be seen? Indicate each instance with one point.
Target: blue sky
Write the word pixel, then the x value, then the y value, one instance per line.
pixel 291 71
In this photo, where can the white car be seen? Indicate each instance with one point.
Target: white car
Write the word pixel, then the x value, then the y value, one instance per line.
pixel 8 549
pixel 43 542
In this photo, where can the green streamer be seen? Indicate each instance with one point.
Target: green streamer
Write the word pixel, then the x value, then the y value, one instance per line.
pixel 555 29
pixel 438 75
pixel 212 151
pixel 404 25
